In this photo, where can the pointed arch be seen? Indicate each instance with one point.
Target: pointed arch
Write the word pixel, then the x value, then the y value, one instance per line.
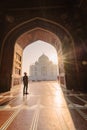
pixel 34 29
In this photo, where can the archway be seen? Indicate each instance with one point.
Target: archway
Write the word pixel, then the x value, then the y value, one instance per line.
pixel 28 32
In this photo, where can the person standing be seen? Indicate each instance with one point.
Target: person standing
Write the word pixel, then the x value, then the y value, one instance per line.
pixel 25 82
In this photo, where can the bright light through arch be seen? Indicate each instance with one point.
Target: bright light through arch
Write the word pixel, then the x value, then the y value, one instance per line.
pixel 33 51
pixel 53 58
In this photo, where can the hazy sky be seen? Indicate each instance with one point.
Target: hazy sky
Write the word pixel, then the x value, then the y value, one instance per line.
pixel 33 51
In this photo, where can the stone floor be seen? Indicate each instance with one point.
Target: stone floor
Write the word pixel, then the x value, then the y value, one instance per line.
pixel 48 106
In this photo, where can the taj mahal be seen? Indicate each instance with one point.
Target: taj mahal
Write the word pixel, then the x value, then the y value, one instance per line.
pixel 43 69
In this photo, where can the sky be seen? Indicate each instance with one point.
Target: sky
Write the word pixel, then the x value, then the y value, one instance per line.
pixel 33 51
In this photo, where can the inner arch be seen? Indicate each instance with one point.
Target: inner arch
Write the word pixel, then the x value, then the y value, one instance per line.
pixel 37 34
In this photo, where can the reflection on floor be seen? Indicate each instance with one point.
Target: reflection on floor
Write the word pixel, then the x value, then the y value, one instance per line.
pixel 46 107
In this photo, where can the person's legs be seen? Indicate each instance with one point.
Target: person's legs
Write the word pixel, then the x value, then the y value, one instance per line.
pixel 24 89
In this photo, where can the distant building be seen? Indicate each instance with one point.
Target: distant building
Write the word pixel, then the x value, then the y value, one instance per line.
pixel 43 69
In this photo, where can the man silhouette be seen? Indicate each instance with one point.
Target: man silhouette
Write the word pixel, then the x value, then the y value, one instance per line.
pixel 25 82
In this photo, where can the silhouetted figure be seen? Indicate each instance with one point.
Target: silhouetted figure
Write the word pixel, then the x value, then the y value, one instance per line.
pixel 25 82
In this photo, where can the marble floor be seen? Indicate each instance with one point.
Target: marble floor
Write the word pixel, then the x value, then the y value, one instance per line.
pixel 48 106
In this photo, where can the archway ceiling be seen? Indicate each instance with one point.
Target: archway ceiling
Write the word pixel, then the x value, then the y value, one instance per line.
pixel 35 35
pixel 39 3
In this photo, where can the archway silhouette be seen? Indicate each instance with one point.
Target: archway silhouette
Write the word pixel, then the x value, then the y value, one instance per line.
pixel 29 31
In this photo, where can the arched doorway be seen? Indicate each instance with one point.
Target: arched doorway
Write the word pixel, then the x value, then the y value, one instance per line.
pixel 28 32
pixel 31 60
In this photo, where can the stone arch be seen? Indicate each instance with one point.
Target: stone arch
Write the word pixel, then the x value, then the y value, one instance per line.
pixel 60 39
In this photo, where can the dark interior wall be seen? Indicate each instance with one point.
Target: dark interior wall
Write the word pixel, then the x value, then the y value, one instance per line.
pixel 70 65
pixel 6 67
pixel 81 53
pixel 76 69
